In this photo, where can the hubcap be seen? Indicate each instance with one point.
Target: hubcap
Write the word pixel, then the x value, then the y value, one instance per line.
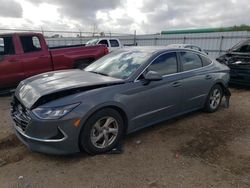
pixel 104 132
pixel 215 99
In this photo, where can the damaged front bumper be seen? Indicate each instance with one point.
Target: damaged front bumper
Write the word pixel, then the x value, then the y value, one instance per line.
pixel 46 136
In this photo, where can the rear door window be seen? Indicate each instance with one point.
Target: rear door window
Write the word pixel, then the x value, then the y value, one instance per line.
pixel 205 61
pixel 114 43
pixel 104 42
pixel 190 61
pixel 30 44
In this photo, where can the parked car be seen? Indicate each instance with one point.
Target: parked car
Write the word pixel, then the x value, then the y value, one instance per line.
pixel 27 54
pixel 111 43
pixel 190 46
pixel 238 59
pixel 68 111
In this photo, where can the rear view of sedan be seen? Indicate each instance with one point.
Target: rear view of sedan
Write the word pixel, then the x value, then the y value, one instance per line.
pixel 72 110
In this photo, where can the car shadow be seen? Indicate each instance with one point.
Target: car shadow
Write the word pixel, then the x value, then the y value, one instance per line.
pixel 160 125
pixel 239 87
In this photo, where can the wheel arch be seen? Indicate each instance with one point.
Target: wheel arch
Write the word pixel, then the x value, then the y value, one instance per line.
pixel 110 106
pixel 224 87
pixel 113 106
pixel 79 61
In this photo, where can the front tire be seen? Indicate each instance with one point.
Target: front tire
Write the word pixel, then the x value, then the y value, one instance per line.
pixel 214 99
pixel 102 132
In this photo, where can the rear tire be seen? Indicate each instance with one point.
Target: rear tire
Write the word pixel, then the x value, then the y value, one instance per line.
pixel 102 132
pixel 214 99
pixel 82 64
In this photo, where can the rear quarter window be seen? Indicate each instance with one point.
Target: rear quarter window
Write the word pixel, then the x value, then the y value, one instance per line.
pixel 205 61
pixel 30 44
pixel 190 61
pixel 114 43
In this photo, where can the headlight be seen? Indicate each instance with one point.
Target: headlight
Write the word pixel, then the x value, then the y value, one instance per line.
pixel 53 112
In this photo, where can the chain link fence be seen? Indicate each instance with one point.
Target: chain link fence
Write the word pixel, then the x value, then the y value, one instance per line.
pixel 214 43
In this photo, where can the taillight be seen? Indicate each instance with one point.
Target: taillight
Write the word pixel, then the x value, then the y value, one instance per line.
pixel 106 50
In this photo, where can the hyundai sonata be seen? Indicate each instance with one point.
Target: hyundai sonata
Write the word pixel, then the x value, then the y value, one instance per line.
pixel 68 111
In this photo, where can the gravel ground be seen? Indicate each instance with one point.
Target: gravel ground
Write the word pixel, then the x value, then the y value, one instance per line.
pixel 195 150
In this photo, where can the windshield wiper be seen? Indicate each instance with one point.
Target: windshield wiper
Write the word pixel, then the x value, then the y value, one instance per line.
pixel 103 74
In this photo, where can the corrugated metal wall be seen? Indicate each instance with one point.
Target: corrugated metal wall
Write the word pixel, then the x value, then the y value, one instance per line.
pixel 214 43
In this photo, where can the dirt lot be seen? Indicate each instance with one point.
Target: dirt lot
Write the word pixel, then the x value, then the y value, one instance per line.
pixel 196 150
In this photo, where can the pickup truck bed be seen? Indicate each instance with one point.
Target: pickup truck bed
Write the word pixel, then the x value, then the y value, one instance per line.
pixel 27 54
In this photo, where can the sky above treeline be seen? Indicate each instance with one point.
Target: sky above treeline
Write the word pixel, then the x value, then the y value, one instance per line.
pixel 122 16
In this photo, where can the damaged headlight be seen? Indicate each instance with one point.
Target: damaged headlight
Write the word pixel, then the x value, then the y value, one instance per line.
pixel 53 112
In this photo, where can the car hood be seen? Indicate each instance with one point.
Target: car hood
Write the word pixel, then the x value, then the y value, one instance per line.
pixel 30 90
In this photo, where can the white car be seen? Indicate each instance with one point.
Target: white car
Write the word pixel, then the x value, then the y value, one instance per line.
pixel 111 43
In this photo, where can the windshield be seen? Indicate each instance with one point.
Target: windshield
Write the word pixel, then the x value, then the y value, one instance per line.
pixel 121 64
pixel 92 42
pixel 237 47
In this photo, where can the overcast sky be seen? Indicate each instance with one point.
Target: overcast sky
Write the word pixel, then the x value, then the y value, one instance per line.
pixel 122 16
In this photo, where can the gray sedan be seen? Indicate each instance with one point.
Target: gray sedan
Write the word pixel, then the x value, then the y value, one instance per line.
pixel 72 110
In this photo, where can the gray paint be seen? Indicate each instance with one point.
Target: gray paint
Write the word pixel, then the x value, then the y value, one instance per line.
pixel 143 105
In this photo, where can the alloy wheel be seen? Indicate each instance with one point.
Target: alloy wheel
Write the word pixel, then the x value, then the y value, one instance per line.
pixel 215 98
pixel 104 132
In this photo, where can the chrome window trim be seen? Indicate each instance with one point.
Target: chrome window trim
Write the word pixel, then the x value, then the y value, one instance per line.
pixel 18 129
pixel 177 73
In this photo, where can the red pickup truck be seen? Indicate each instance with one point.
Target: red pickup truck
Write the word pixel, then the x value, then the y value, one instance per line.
pixel 26 54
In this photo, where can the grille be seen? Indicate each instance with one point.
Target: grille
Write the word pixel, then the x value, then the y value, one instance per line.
pixel 19 115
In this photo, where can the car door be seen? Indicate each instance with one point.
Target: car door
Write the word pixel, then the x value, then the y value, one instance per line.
pixel 197 80
pixel 35 57
pixel 158 100
pixel 11 70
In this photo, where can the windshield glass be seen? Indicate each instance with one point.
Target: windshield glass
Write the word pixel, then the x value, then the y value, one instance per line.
pixel 92 42
pixel 121 64
pixel 237 47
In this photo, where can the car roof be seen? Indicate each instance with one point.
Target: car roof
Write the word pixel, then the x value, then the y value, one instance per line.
pixel 19 33
pixel 155 49
pixel 107 38
pixel 182 45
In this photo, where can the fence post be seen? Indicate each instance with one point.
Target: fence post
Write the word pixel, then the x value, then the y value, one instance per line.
pixel 135 38
pixel 80 36
pixel 156 41
pixel 42 31
pixel 221 42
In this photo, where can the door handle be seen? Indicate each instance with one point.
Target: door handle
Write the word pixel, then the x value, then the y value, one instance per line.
pixel 208 77
pixel 176 84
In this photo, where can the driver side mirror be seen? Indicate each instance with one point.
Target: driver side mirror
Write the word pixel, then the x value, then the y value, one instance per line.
pixel 153 76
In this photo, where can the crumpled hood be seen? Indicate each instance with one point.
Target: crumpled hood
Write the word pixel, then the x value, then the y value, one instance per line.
pixel 31 89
